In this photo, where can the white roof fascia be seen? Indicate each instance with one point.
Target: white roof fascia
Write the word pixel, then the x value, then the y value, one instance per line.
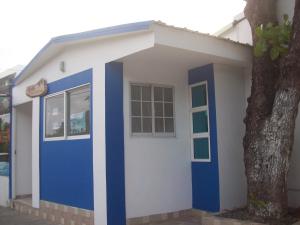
pixel 203 43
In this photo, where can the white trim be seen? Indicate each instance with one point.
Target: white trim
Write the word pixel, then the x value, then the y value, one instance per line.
pixel 13 153
pixel 36 152
pixel 77 137
pixel 65 115
pixel 65 136
pixel 202 134
pixel 99 145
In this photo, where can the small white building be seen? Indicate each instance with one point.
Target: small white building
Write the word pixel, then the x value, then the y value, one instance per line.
pixel 131 121
pixel 239 29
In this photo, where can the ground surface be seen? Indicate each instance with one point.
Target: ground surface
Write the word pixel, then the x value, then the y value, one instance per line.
pixel 11 217
pixel 181 221
pixel 242 214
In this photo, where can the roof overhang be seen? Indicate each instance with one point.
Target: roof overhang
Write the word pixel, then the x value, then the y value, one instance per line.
pixel 56 44
pixel 164 35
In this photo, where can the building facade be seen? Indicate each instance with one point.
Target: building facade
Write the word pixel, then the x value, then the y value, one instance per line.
pixel 129 122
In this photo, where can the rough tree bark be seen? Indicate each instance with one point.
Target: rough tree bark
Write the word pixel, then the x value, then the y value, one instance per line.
pixel 270 119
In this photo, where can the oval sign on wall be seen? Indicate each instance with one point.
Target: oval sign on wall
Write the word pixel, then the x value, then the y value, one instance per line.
pixel 38 89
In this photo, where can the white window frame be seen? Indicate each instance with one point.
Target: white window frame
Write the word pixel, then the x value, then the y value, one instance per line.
pixel 65 136
pixel 203 134
pixel 153 133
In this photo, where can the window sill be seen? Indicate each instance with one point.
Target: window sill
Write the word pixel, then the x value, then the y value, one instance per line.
pixel 201 160
pixel 68 138
pixel 151 135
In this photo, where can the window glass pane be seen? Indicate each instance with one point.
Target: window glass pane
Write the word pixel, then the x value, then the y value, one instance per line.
pixel 199 96
pixel 168 94
pixel 159 125
pixel 135 92
pixel 146 93
pixel 169 125
pixel 55 116
pixel 147 111
pixel 136 108
pixel 158 94
pixel 200 122
pixel 147 125
pixel 4 136
pixel 158 107
pixel 168 109
pixel 79 111
pixel 201 148
pixel 4 105
pixel 4 165
pixel 136 125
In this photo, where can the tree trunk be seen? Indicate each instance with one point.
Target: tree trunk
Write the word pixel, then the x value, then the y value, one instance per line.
pixel 270 119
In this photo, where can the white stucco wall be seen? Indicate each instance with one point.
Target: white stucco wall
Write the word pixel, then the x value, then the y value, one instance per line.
pixel 158 169
pixel 23 149
pixel 240 32
pixel 4 191
pixel 285 7
pixel 230 110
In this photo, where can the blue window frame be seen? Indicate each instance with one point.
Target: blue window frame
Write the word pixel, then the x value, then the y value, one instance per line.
pixel 200 137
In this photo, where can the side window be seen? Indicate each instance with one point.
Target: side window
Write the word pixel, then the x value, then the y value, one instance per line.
pixel 68 114
pixel 54 121
pixel 78 111
pixel 200 122
pixel 152 109
pixel 4 135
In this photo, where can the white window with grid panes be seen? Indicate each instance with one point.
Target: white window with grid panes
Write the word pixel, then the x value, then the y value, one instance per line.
pixel 152 110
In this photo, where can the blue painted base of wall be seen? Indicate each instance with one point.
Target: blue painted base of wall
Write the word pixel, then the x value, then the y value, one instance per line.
pixel 205 175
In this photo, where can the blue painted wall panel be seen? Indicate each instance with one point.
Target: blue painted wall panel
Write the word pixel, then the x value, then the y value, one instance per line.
pixel 115 175
pixel 66 166
pixel 205 175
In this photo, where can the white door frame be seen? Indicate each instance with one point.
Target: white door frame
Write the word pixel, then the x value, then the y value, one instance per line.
pixel 35 151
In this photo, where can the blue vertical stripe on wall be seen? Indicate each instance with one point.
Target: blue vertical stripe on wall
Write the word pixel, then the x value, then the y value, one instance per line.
pixel 115 175
pixel 205 175
pixel 66 166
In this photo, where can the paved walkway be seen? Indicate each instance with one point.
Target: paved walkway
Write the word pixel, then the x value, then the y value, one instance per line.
pixel 181 221
pixel 11 217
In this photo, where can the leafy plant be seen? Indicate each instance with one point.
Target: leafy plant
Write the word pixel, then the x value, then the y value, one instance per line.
pixel 273 39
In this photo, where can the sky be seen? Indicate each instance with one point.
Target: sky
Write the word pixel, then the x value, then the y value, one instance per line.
pixel 27 25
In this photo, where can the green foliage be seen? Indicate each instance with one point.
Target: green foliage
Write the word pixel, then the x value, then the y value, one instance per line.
pixel 273 39
pixel 259 204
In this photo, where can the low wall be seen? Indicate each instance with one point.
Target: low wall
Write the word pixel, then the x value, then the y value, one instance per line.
pixel 55 213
